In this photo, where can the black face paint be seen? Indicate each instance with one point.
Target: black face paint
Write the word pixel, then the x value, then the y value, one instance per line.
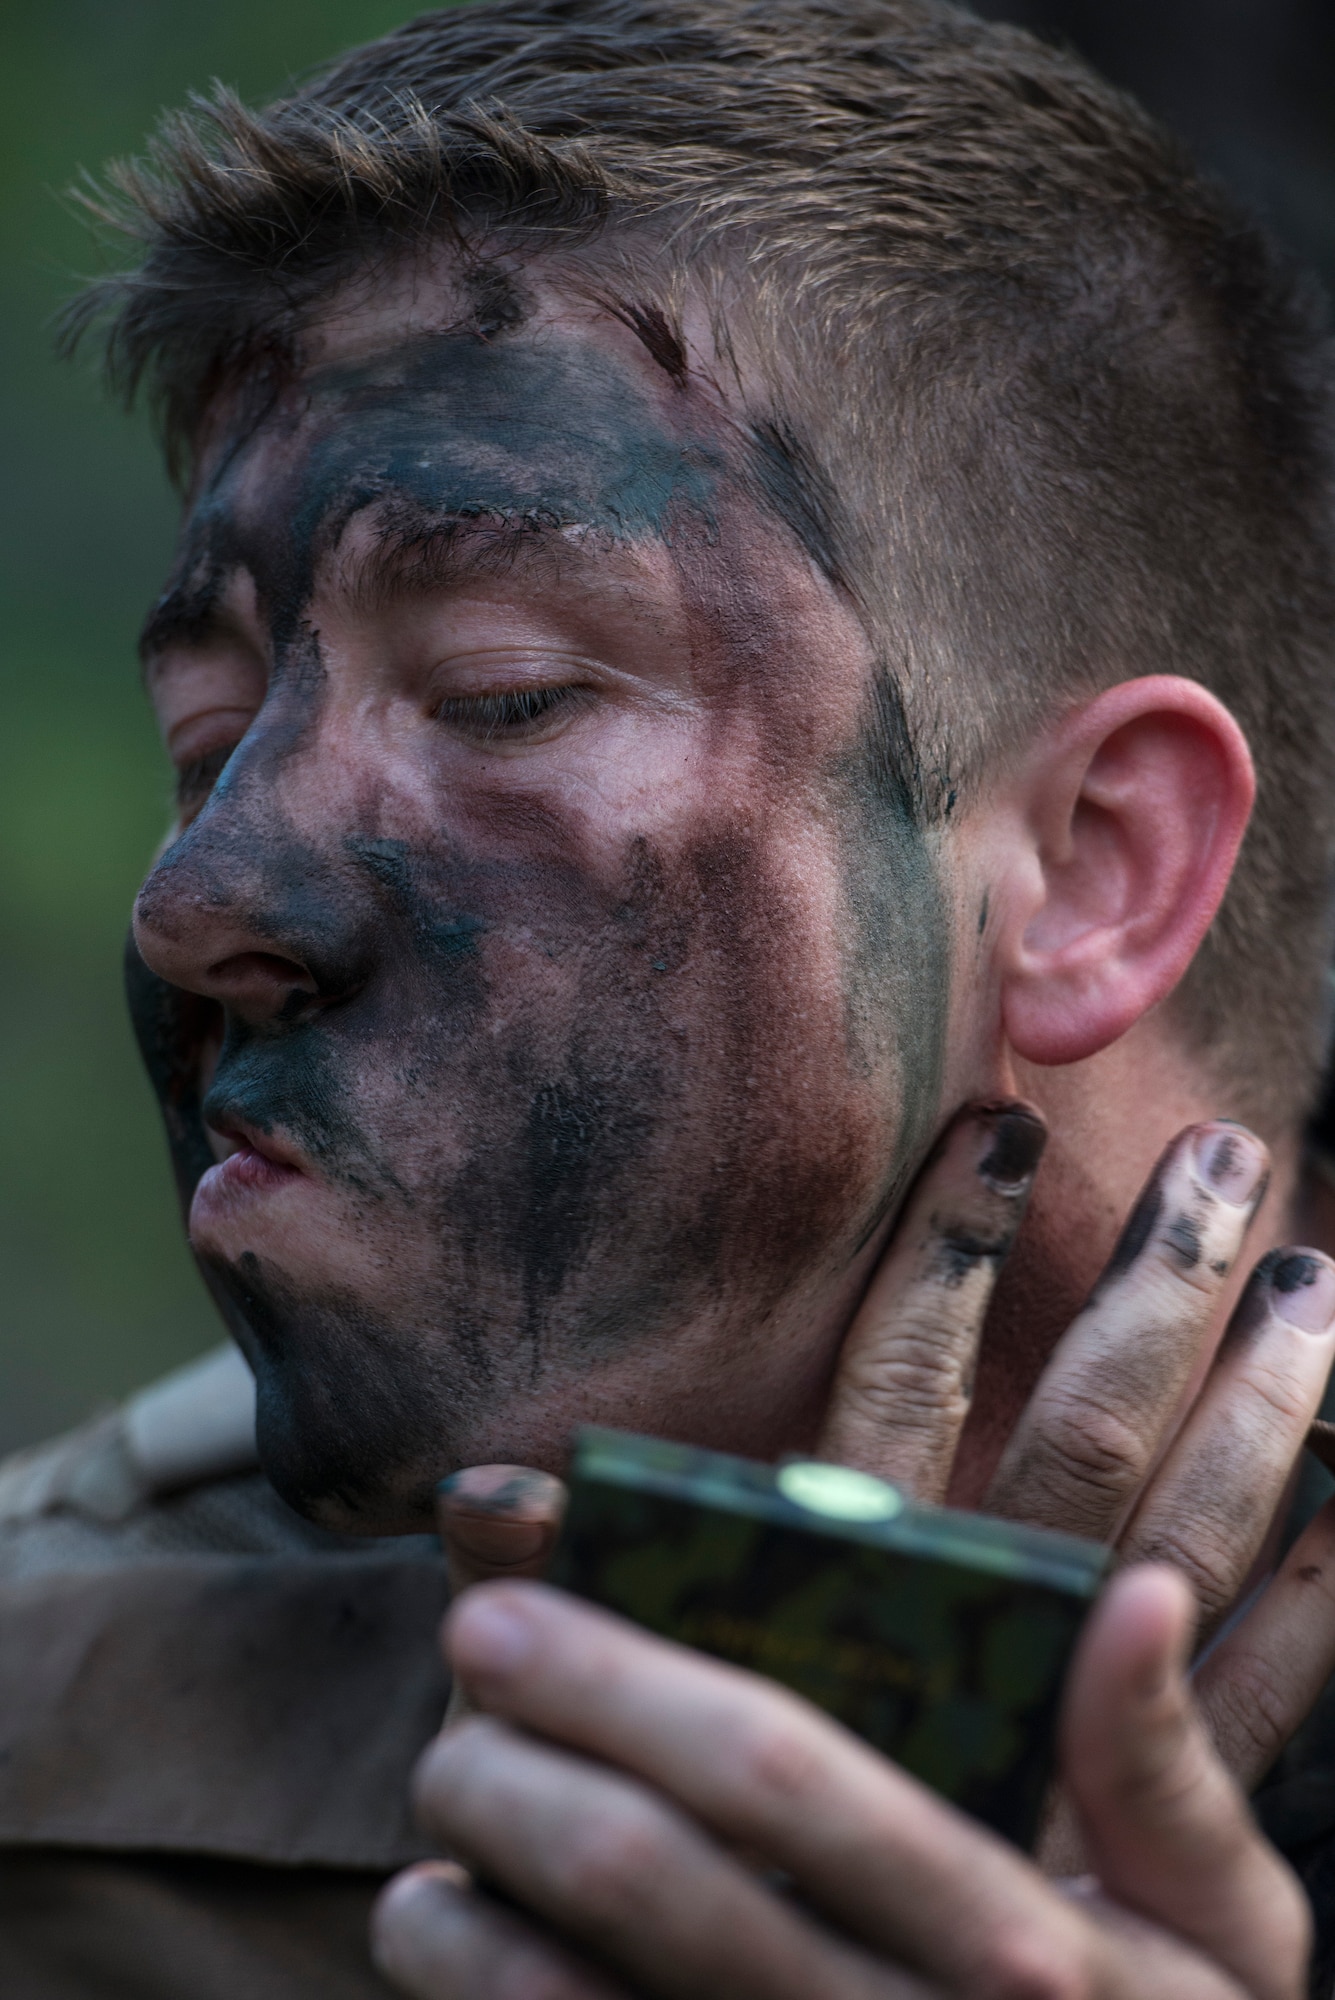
pixel 550 1167
pixel 1139 1228
pixel 896 934
pixel 578 1219
pixel 1018 1141
pixel 1183 1237
pixel 448 429
pixel 1282 1271
pixel 1294 1271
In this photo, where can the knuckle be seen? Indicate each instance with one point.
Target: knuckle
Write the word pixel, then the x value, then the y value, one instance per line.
pixel 1246 1710
pixel 965 1253
pixel 1282 1400
pixel 1084 1445
pixel 1179 1293
pixel 776 1767
pixel 1024 1966
pixel 531 1975
pixel 606 1863
pixel 448 1766
pixel 1192 1288
pixel 1196 1241
pixel 1206 1564
pixel 464 1748
pixel 927 1344
pixel 915 1388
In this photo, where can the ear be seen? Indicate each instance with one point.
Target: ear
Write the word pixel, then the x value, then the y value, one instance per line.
pixel 1128 817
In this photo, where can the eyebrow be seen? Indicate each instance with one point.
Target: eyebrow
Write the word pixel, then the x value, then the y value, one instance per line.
pixel 187 614
pixel 417 551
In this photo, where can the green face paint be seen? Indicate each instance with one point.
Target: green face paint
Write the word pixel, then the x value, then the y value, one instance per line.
pixel 585 1097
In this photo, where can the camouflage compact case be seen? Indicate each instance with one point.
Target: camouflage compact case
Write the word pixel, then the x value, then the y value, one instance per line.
pixel 940 1637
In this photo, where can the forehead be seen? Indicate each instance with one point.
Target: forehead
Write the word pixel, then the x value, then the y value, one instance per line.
pixel 554 429
pixel 566 420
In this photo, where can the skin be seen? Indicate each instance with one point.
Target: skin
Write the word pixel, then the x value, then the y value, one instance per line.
pixel 562 961
pixel 614 1785
pixel 565 1036
pixel 607 1782
pixel 1193 1476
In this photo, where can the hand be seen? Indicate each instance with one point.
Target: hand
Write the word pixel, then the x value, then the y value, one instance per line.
pixel 1107 1445
pixel 1115 1441
pixel 615 1782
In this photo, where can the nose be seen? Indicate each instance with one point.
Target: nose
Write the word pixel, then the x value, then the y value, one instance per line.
pixel 252 924
pixel 201 941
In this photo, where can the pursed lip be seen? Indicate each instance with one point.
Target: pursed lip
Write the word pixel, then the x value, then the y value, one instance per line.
pixel 259 1163
pixel 242 1136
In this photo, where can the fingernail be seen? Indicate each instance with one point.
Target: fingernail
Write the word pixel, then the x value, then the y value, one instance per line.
pixel 1015 1140
pixel 1303 1286
pixel 504 1543
pixel 491 1635
pixel 514 1491
pixel 1231 1161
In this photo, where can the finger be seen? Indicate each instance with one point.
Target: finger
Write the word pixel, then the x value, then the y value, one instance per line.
pixel 1150 1961
pixel 905 1373
pixel 1263 1678
pixel 890 1862
pixel 1112 1390
pixel 497 1520
pixel 435 1937
pixel 621 1871
pixel 1320 1441
pixel 1209 1507
pixel 1167 1830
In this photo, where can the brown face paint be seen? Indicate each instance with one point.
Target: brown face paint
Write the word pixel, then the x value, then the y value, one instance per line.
pixel 568 1108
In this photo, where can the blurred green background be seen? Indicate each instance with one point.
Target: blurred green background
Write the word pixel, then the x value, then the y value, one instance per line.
pixel 96 1291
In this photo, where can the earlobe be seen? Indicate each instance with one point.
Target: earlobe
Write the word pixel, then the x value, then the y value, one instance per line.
pixel 1133 810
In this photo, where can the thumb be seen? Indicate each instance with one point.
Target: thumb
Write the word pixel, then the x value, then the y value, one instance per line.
pixel 497 1521
pixel 1167 1830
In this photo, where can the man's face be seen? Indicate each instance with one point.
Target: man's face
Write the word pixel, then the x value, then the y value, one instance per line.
pixel 552 955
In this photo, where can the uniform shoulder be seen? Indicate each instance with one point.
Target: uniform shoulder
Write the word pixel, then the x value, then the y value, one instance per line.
pixel 188 1667
pixel 196 1424
pixel 172 1472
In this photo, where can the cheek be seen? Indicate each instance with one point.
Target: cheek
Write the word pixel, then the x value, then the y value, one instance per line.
pixel 703 975
pixel 665 1056
pixel 781 1135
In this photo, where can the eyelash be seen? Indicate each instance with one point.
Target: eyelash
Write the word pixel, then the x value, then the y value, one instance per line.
pixel 486 716
pixel 512 713
pixel 195 780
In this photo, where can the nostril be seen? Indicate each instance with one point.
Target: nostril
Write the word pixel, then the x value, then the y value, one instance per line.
pixel 263 979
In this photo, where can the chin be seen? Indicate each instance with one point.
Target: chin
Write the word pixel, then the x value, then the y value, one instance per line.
pixel 357 1418
pixel 352 1463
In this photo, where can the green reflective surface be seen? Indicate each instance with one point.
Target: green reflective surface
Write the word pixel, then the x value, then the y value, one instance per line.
pixel 837 1491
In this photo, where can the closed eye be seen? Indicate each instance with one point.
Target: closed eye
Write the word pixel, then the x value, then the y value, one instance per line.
pixel 511 714
pixel 196 780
